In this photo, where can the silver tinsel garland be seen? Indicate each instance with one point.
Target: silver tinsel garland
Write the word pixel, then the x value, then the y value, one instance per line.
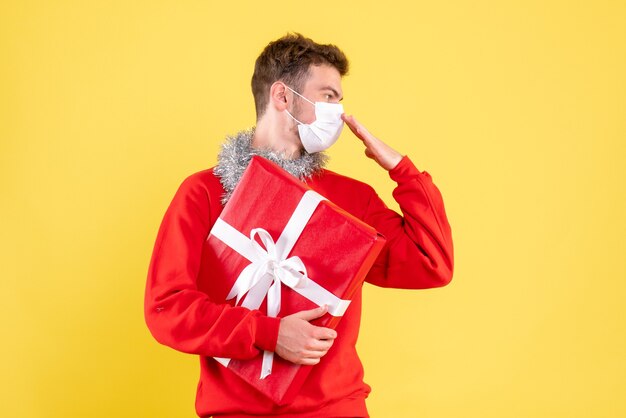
pixel 237 151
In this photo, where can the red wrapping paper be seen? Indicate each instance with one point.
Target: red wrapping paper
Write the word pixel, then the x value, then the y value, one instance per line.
pixel 337 249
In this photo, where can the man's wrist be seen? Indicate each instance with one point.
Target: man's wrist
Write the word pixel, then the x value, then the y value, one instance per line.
pixel 394 161
pixel 404 170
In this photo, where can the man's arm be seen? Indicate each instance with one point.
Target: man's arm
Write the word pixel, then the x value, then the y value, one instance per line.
pixel 419 251
pixel 184 318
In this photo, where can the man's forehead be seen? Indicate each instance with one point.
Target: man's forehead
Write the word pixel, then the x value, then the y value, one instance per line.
pixel 325 77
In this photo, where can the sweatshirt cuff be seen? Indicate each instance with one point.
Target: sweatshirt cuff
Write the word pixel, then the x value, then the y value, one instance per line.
pixel 266 332
pixel 404 170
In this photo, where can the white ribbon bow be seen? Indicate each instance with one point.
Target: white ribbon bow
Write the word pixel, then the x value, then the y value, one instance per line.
pixel 270 268
pixel 265 275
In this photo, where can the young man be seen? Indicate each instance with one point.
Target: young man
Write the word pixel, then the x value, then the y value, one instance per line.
pixel 297 89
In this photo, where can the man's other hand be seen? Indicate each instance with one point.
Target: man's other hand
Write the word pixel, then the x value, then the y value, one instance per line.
pixel 302 343
pixel 383 154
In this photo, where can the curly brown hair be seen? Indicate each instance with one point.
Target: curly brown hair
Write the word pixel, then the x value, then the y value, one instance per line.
pixel 288 59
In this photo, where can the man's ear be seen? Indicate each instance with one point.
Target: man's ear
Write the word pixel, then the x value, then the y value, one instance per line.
pixel 278 96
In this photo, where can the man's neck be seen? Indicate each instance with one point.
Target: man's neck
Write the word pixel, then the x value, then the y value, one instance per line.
pixel 276 137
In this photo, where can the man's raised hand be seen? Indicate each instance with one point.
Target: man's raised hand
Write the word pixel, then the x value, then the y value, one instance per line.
pixel 383 154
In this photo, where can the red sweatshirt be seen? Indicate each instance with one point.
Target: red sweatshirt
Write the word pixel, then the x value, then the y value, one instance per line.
pixel 180 313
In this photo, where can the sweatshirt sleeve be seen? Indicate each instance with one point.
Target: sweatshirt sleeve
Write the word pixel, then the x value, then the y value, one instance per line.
pixel 176 312
pixel 419 251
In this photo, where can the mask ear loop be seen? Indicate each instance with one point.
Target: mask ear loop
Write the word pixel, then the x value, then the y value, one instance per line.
pixel 294 118
pixel 300 95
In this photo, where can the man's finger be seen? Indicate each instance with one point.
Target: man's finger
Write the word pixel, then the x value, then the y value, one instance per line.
pixel 308 361
pixel 322 333
pixel 320 345
pixel 312 314
pixel 313 354
pixel 354 125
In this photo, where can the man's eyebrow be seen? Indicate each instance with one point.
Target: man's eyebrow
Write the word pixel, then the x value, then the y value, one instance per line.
pixel 334 91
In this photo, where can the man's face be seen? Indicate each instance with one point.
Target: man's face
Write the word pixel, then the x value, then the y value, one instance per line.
pixel 323 85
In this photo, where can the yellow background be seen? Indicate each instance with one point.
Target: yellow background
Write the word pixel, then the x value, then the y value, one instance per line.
pixel 516 108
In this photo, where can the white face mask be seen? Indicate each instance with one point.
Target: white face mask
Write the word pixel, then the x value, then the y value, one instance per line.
pixel 324 130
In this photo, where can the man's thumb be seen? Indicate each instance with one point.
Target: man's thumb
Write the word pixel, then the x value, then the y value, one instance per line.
pixel 313 313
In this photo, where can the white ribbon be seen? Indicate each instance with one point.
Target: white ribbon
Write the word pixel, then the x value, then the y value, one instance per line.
pixel 270 268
